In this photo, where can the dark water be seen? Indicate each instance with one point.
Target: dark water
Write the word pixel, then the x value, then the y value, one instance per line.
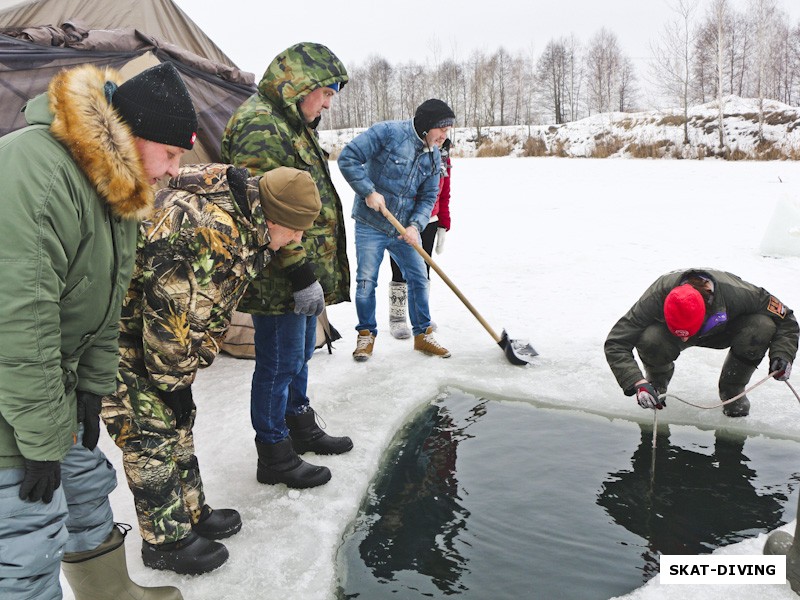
pixel 489 500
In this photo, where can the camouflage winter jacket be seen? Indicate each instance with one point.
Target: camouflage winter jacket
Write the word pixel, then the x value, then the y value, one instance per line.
pixel 195 257
pixel 732 298
pixel 268 131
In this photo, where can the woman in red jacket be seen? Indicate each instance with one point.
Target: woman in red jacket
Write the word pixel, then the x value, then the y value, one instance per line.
pixel 438 225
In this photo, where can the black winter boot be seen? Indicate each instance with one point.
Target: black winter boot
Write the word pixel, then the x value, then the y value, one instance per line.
pixel 307 436
pixel 102 574
pixel 217 524
pixel 279 463
pixel 193 555
pixel 733 379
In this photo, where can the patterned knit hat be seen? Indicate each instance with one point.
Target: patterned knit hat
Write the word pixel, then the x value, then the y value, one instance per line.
pixel 157 107
pixel 432 114
pixel 684 311
pixel 290 197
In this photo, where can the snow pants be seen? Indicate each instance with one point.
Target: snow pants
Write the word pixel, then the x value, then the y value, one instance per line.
pixel 159 460
pixel 35 535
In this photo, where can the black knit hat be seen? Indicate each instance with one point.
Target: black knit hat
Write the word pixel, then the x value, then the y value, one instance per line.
pixel 157 107
pixel 431 114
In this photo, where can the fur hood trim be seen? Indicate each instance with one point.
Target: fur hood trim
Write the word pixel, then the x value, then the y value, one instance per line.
pixel 100 142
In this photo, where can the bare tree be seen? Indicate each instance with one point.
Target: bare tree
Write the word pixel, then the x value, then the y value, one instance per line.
pixel 763 17
pixel 379 79
pixel 413 88
pixel 575 76
pixel 672 58
pixel 719 19
pixel 626 85
pixel 603 64
pixel 551 77
pixel 794 58
pixel 502 61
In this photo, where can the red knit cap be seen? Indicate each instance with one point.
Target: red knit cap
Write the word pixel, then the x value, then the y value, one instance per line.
pixel 684 311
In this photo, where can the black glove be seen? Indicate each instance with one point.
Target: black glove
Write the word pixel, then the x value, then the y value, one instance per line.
pixel 783 368
pixel 647 396
pixel 180 403
pixel 89 406
pixel 42 478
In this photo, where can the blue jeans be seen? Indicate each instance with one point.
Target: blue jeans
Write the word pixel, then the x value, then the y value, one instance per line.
pixel 370 247
pixel 284 345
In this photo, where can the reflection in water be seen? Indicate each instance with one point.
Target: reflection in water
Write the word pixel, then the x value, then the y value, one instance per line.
pixel 693 502
pixel 504 500
pixel 421 511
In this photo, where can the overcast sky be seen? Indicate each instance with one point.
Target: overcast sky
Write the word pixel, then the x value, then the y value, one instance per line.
pixel 252 32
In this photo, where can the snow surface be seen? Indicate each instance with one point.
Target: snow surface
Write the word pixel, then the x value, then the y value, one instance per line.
pixel 554 250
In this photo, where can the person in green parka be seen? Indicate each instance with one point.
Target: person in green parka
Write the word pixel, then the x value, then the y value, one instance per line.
pixel 76 181
pixel 276 127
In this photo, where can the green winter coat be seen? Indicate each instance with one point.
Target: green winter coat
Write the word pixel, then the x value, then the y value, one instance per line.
pixel 732 298
pixel 268 131
pixel 73 187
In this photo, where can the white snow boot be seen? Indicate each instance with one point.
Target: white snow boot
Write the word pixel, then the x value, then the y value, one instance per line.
pixel 398 296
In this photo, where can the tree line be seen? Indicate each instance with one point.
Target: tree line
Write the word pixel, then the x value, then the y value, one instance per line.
pixel 708 49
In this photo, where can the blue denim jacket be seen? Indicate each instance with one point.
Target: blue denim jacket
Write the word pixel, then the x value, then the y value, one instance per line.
pixel 389 158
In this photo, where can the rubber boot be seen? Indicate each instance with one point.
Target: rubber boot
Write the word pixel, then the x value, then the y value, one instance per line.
pixel 733 380
pixel 398 297
pixel 279 463
pixel 307 436
pixel 102 574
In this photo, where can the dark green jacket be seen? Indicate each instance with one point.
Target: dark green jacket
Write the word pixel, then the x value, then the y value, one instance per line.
pixel 732 298
pixel 268 131
pixel 73 187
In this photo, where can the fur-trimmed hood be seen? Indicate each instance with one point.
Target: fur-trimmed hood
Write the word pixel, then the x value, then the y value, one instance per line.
pixel 100 142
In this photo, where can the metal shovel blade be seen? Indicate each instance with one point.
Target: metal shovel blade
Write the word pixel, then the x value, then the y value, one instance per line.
pixel 517 352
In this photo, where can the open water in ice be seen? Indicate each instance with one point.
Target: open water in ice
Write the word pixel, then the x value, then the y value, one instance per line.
pixel 494 499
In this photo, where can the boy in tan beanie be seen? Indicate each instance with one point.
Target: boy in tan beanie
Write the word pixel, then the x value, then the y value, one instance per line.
pixel 214 230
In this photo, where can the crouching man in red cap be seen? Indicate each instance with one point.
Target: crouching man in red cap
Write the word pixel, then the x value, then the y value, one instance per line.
pixel 706 308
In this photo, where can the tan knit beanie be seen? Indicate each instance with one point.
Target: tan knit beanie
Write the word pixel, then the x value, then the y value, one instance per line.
pixel 290 197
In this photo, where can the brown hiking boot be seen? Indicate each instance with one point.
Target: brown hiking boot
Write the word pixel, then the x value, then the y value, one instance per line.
pixel 364 345
pixel 425 342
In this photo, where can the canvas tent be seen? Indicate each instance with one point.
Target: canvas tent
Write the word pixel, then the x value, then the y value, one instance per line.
pixel 40 37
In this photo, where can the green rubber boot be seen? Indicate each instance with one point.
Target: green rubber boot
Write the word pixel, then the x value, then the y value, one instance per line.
pixel 102 574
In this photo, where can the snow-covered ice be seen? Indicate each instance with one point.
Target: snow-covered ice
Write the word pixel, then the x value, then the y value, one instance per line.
pixel 555 251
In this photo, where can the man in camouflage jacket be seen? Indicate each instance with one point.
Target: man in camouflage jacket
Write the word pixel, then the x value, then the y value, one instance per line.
pixel 215 228
pixel 706 308
pixel 274 127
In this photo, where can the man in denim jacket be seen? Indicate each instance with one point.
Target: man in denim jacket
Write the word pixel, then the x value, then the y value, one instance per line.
pixel 396 165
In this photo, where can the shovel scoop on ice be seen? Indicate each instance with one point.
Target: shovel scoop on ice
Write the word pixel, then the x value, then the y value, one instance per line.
pixel 518 352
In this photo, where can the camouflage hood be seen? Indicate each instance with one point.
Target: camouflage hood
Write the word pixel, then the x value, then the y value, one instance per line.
pixel 220 184
pixel 298 71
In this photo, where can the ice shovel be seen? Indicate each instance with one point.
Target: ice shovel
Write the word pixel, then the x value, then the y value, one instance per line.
pixel 517 352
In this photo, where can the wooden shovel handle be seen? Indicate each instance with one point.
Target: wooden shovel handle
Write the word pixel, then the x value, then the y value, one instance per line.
pixel 427 258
